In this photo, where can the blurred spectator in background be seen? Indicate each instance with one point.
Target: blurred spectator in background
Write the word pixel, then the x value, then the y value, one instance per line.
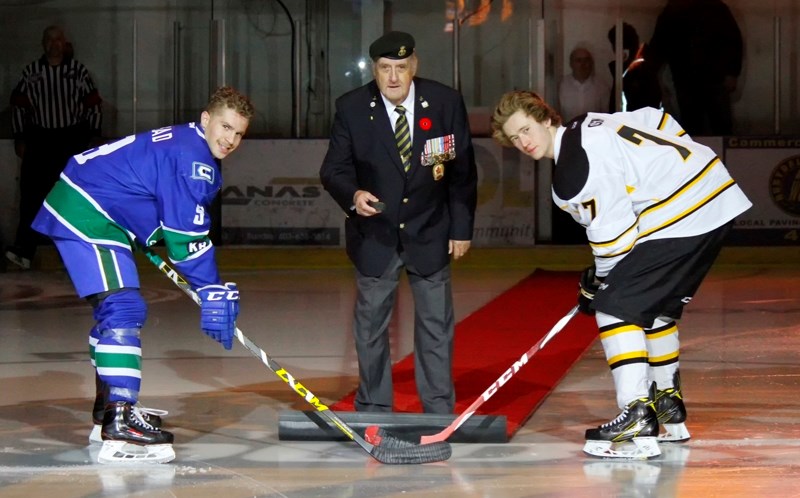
pixel 56 110
pixel 582 91
pixel 640 86
pixel 702 44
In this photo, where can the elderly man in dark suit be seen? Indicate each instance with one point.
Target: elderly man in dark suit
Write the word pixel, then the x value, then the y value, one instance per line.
pixel 401 165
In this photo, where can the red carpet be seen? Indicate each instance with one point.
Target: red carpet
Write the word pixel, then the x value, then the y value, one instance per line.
pixel 489 341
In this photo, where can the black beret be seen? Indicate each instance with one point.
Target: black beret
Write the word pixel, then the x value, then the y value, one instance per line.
pixel 392 45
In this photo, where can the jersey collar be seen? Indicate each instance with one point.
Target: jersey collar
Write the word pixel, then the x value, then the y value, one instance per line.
pixel 557 142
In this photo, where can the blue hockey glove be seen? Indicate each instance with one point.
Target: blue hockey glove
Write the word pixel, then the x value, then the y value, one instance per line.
pixel 218 311
pixel 589 286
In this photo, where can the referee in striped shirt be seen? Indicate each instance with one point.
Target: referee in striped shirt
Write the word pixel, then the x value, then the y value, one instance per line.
pixel 56 110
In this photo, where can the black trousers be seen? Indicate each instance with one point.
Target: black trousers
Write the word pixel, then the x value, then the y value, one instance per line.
pixel 705 107
pixel 434 326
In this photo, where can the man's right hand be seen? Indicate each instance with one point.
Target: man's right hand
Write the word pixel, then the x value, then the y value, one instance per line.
pixel 365 203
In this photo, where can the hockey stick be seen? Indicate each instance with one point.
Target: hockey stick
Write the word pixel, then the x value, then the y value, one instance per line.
pixel 392 451
pixel 373 431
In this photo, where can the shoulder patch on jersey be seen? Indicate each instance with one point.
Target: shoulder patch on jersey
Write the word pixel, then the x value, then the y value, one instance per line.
pixel 595 122
pixel 202 171
pixel 572 167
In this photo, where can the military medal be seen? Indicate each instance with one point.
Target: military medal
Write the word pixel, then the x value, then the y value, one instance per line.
pixel 439 150
pixel 438 171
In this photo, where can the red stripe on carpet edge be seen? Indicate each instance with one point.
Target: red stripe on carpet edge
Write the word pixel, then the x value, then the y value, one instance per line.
pixel 490 340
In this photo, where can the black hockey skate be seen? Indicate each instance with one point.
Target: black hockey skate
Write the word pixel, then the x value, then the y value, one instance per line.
pixel 150 415
pixel 127 437
pixel 632 435
pixel 672 413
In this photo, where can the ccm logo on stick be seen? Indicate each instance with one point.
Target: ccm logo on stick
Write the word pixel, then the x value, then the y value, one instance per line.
pixel 506 376
pixel 301 389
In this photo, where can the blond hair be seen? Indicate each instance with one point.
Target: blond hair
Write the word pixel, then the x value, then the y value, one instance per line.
pixel 519 100
pixel 226 97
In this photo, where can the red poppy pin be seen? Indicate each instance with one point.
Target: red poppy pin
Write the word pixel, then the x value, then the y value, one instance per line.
pixel 425 124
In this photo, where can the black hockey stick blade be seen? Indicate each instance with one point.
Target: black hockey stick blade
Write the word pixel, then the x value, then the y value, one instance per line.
pixel 390 452
pixel 395 451
pixel 398 450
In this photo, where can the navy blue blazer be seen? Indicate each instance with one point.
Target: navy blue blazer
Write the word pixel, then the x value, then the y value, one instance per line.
pixel 422 212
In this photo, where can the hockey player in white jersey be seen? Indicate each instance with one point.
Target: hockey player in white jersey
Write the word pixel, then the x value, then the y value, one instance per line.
pixel 656 207
pixel 141 189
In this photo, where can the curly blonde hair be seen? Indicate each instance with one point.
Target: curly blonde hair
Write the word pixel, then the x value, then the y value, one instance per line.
pixel 226 97
pixel 520 100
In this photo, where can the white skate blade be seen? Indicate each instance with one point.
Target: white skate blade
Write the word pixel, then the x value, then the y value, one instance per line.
pixel 95 437
pixel 121 451
pixel 674 433
pixel 639 448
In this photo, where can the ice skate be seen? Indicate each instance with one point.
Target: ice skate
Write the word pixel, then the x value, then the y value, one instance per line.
pixel 672 413
pixel 150 415
pixel 127 437
pixel 632 435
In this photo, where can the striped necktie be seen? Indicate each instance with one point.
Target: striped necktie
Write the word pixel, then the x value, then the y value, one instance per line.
pixel 403 137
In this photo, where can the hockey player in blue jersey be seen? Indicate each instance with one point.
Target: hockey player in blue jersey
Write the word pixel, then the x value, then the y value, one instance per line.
pixel 139 190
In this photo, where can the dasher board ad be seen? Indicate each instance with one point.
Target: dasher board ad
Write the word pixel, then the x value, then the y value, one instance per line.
pixel 768 171
pixel 272 195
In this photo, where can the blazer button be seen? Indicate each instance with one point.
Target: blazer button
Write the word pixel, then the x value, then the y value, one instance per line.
pixel 402 226
pixel 405 200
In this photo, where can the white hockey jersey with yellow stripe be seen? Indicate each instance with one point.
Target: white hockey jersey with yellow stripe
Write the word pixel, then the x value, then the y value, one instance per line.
pixel 630 177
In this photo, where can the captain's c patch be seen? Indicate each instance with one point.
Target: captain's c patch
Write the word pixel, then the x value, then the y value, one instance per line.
pixel 202 171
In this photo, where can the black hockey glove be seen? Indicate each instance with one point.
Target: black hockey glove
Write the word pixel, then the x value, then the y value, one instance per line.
pixel 589 286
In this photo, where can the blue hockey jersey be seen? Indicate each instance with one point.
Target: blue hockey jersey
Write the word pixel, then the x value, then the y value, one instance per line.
pixel 141 189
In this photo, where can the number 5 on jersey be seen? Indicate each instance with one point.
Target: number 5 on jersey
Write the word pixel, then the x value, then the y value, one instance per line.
pixel 200 217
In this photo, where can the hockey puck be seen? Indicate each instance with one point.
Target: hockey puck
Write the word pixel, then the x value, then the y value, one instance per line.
pixel 377 205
